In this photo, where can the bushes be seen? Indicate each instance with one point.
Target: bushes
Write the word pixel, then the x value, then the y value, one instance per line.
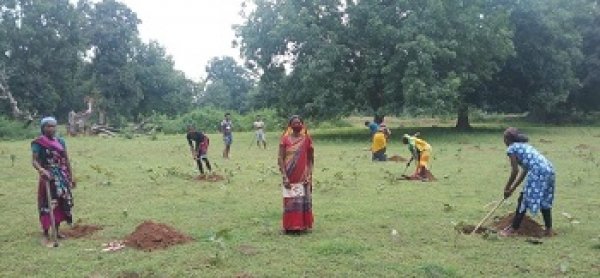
pixel 16 130
pixel 208 120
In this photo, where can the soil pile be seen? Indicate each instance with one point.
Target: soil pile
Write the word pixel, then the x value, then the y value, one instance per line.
pixel 210 178
pixel 79 230
pixel 150 236
pixel 528 226
pixel 397 158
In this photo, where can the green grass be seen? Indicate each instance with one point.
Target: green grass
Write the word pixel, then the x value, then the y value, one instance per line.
pixel 357 204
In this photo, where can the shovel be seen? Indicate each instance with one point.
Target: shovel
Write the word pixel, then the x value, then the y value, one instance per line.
pixel 487 216
pixel 52 219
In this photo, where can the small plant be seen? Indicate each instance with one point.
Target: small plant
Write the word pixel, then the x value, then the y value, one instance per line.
pixel 218 240
pixel 13 158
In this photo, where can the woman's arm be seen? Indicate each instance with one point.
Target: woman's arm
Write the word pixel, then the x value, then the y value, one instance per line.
pixel 38 167
pixel 280 162
pixel 514 165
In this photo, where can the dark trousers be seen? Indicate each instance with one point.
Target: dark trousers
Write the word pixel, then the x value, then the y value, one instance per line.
pixel 199 162
pixel 379 155
pixel 546 213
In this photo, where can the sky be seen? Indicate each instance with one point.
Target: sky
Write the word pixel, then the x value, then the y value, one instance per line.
pixel 192 31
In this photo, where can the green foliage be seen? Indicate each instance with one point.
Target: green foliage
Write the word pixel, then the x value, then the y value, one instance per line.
pixel 16 130
pixel 227 85
pixel 208 120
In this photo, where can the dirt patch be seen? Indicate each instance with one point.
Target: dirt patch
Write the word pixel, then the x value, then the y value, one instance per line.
pixel 209 178
pixel 528 227
pixel 244 275
pixel 150 236
pixel 79 230
pixel 545 141
pixel 397 158
pixel 427 176
pixel 583 147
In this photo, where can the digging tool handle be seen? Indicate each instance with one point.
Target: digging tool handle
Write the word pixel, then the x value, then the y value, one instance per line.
pixel 52 219
pixel 487 216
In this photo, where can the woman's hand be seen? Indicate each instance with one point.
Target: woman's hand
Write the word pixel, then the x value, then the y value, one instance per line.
pixel 286 182
pixel 45 173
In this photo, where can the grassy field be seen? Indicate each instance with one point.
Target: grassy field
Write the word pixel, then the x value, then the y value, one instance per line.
pixel 357 205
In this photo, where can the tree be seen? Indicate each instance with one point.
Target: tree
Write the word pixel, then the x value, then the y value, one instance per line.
pixel 227 84
pixel 542 75
pixel 165 89
pixel 113 35
pixel 456 47
pixel 41 46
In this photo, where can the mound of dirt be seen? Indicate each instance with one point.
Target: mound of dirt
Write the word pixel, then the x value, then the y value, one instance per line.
pixel 528 227
pixel 210 178
pixel 79 230
pixel 150 236
pixel 397 158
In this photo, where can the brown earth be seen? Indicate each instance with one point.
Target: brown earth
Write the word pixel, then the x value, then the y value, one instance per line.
pixel 529 228
pixel 397 158
pixel 210 178
pixel 150 236
pixel 79 230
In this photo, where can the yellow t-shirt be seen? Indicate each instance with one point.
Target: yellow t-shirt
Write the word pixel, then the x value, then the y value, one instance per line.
pixel 379 142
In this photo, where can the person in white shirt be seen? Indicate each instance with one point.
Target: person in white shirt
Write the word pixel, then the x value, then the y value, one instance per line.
pixel 259 127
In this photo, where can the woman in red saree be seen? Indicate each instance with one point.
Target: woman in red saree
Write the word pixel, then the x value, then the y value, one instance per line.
pixel 52 163
pixel 296 160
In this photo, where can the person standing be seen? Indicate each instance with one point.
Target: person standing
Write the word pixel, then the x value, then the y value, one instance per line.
pixel 226 129
pixel 199 147
pixel 538 191
pixel 51 161
pixel 296 161
pixel 259 127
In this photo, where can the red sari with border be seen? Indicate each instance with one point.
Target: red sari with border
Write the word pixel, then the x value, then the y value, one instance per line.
pixel 297 211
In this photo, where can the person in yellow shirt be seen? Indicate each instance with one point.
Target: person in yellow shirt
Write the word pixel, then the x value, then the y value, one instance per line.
pixel 379 144
pixel 421 152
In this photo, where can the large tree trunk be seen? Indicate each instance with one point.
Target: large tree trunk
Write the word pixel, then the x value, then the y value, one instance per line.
pixel 5 93
pixel 462 123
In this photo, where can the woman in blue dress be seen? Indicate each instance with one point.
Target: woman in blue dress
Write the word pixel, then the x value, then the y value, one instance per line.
pixel 538 191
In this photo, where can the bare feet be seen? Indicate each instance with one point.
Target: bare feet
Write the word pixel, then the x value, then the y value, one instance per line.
pixel 48 243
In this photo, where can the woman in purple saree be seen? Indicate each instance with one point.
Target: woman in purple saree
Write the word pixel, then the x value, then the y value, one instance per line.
pixel 52 163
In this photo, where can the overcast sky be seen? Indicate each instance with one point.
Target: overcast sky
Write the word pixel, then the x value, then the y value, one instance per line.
pixel 192 31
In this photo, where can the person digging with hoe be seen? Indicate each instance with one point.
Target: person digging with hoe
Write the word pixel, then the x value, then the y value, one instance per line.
pixel 56 181
pixel 200 149
pixel 538 191
pixel 421 152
